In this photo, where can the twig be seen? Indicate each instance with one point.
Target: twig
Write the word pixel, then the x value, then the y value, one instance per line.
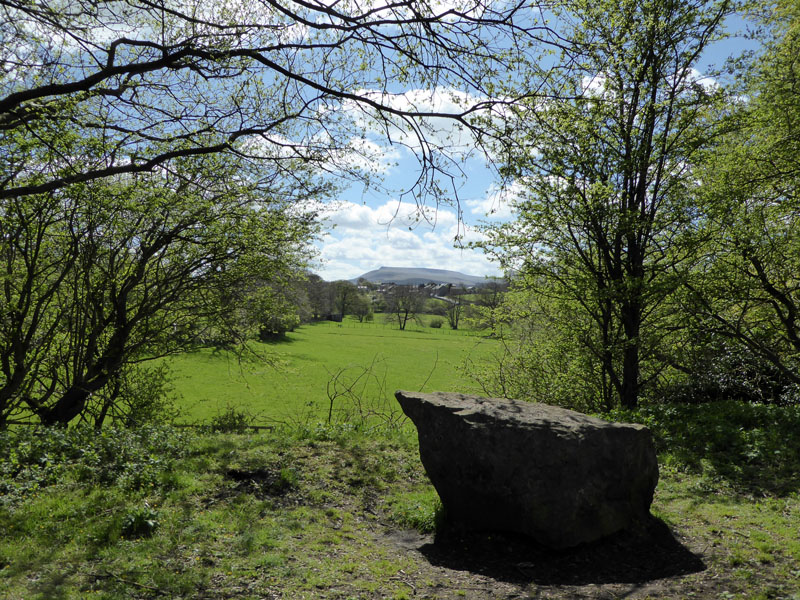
pixel 133 583
pixel 408 583
pixel 435 362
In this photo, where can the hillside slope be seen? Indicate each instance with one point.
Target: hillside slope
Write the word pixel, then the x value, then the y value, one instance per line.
pixel 415 276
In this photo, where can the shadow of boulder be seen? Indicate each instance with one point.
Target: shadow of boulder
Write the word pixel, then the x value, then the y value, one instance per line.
pixel 632 557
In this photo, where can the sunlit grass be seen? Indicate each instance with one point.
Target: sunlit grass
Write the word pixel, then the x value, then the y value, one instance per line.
pixel 312 518
pixel 291 382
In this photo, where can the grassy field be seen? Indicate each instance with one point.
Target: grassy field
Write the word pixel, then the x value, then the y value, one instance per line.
pixel 335 511
pixel 294 385
pixel 329 512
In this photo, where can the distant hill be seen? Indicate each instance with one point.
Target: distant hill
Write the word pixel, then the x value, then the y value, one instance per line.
pixel 415 276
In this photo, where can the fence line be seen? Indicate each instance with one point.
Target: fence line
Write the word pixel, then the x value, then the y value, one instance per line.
pixel 394 327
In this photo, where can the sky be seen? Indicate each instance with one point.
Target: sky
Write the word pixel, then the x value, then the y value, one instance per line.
pixel 368 228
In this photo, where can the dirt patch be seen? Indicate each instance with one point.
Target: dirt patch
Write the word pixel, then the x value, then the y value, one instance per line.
pixel 266 483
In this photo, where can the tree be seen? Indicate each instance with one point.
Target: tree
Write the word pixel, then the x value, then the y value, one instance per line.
pixel 541 350
pixel 746 294
pixel 265 308
pixel 319 296
pixel 489 298
pixel 362 307
pixel 93 89
pixel 345 295
pixel 454 311
pixel 131 138
pixel 608 175
pixel 98 277
pixel 403 303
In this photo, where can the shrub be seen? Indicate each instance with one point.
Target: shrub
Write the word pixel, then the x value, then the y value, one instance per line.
pixel 231 420
pixel 34 458
pixel 753 446
pixel 137 396
pixel 436 323
pixel 141 522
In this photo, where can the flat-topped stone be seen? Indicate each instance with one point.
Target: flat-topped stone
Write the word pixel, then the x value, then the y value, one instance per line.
pixel 556 475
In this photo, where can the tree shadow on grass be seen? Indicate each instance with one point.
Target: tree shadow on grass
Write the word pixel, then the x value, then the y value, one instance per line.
pixel 275 339
pixel 638 556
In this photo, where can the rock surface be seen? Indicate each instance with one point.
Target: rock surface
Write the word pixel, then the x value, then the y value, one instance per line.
pixel 558 476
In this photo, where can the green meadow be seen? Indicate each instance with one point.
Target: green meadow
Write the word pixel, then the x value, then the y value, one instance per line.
pixel 290 379
pixel 312 510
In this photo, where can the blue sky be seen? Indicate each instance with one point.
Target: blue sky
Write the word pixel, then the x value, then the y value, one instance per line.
pixel 369 228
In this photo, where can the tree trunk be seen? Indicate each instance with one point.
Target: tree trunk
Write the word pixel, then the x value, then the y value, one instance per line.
pixel 629 396
pixel 71 403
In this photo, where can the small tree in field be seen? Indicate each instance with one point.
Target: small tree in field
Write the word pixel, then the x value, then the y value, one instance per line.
pixel 362 308
pixel 345 297
pixel 455 310
pixel 403 304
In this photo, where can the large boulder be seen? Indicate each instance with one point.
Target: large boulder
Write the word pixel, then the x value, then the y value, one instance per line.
pixel 558 476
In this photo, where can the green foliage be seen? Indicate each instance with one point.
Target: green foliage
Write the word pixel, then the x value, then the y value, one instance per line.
pixel 541 354
pixel 605 214
pixel 175 253
pixel 140 522
pixel 436 323
pixel 138 395
pixel 32 459
pixel 753 448
pixel 231 420
pixel 746 291
pixel 718 368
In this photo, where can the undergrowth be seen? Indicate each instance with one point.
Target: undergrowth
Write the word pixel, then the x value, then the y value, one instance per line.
pixel 306 511
pixel 750 448
pixel 32 459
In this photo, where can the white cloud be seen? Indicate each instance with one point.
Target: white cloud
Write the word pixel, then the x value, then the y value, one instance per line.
pixel 594 85
pixel 498 203
pixel 394 234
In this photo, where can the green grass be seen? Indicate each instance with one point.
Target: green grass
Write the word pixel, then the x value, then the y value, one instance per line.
pixel 225 519
pixel 316 511
pixel 295 385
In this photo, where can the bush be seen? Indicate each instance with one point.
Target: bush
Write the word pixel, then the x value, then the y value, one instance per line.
pixel 231 420
pixel 752 446
pixel 729 371
pixel 141 522
pixel 137 396
pixel 436 323
pixel 32 459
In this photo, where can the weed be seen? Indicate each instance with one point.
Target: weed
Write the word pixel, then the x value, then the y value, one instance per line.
pixel 133 459
pixel 140 522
